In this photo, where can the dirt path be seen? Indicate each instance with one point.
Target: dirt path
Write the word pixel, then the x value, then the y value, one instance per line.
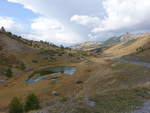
pixel 146 106
pixel 132 62
pixel 144 109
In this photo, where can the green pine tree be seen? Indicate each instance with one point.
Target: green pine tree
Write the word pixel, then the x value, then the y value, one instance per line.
pixel 9 73
pixel 32 103
pixel 15 106
pixel 22 66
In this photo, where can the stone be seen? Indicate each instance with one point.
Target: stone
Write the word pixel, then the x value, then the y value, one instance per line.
pixel 42 111
pixel 55 93
pixel 89 102
pixel 2 81
pixel 79 82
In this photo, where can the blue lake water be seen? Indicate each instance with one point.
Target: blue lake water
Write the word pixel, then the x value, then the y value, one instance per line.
pixel 68 70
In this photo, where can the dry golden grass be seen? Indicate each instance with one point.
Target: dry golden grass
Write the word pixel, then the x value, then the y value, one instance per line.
pixel 125 48
pixel 102 79
pixel 17 86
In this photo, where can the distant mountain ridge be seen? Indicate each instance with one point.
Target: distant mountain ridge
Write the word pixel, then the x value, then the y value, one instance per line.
pixel 100 46
pixel 129 43
pixel 87 46
pixel 125 37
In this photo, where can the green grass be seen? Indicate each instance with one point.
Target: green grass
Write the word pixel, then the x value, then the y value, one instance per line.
pixel 49 52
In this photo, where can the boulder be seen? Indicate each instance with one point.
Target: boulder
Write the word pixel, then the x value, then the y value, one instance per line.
pixel 55 93
pixel 79 82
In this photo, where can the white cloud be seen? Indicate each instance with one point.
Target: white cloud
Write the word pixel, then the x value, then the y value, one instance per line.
pixel 93 37
pixel 89 21
pixel 10 24
pixel 120 16
pixel 47 28
pixel 125 14
pixel 43 23
pixel 53 31
pixel 29 4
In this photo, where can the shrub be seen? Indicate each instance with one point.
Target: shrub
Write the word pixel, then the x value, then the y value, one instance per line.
pixel 9 73
pixel 34 61
pixel 15 106
pixel 3 29
pixel 22 66
pixel 1 48
pixel 140 49
pixel 63 99
pixel 32 103
pixel 62 47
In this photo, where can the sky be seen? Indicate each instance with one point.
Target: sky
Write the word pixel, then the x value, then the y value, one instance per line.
pixel 69 22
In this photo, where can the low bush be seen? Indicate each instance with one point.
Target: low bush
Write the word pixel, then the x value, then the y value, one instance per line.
pixel 9 73
pixel 32 103
pixel 15 106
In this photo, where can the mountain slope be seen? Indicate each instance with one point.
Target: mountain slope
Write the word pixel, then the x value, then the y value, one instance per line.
pixel 129 45
pixel 11 45
pixel 17 53
pixel 87 46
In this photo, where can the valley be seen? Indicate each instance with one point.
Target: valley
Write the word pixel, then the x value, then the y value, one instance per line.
pixel 114 80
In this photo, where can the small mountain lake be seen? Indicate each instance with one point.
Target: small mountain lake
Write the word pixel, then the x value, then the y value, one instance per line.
pixel 42 74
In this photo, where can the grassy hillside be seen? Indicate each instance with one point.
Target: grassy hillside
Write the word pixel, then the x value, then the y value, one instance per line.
pixel 128 47
pixel 100 84
pixel 87 46
pixel 21 55
pixel 107 88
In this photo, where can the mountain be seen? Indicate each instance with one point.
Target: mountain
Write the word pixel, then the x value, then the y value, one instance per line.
pixel 98 47
pixel 99 84
pixel 142 52
pixel 113 42
pixel 87 46
pixel 128 44
pixel 20 55
pixel 123 38
pixel 10 44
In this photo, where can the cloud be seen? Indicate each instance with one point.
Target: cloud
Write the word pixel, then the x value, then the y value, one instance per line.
pixel 117 17
pixel 127 14
pixel 11 25
pixel 63 8
pixel 53 31
pixel 90 21
pixel 47 28
pixel 43 23
pixel 28 4
pixel 120 16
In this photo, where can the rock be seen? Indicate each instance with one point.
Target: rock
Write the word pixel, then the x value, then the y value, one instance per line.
pixel 2 81
pixel 144 109
pixel 79 82
pixel 28 68
pixel 42 111
pixel 55 93
pixel 89 102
